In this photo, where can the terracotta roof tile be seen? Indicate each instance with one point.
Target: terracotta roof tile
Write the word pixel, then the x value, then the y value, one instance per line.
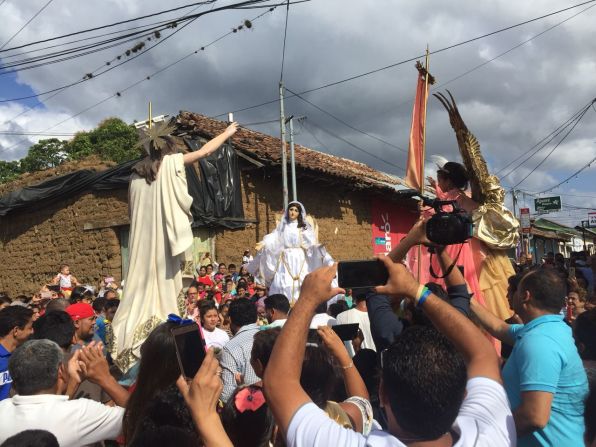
pixel 267 149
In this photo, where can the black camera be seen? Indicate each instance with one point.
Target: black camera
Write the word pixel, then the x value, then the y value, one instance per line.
pixel 448 228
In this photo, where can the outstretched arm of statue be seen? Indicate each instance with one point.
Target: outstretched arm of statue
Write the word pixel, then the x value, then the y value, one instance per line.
pixel 211 146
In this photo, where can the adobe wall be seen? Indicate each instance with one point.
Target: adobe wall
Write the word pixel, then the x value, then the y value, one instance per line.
pixel 34 243
pixel 343 218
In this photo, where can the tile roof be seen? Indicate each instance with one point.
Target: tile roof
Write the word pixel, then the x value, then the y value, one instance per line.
pixel 267 150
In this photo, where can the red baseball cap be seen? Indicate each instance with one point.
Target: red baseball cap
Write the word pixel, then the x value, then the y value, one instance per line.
pixel 80 310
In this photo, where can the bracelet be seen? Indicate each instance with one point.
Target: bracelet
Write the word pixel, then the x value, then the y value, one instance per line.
pixel 422 297
pixel 351 365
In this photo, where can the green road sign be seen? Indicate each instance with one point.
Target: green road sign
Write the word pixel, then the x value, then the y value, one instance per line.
pixel 547 204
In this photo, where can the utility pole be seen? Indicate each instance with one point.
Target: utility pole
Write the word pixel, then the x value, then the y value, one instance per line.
pixel 292 159
pixel 284 157
pixel 523 249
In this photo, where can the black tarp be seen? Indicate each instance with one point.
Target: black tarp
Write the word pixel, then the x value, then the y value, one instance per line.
pixel 217 199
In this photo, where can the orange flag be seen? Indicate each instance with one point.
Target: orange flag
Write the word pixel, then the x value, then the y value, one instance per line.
pixel 415 167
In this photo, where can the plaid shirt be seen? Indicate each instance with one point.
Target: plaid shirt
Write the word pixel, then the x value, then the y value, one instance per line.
pixel 236 358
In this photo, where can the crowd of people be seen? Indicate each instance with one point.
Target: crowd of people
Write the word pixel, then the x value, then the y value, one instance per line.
pixel 421 370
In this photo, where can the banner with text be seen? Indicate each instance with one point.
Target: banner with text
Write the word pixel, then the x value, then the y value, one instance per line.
pixel 390 223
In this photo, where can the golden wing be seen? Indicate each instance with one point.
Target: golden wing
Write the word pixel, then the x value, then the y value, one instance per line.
pixel 486 188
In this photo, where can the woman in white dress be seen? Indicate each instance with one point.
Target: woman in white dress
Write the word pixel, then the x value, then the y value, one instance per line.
pixel 288 254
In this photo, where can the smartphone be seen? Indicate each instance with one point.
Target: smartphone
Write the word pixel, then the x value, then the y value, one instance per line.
pixel 230 117
pixel 346 332
pixel 572 272
pixel 53 287
pixel 190 348
pixel 361 274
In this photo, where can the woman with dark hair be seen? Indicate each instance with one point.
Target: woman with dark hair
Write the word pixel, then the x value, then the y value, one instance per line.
pixel 160 233
pixel 154 392
pixel 288 254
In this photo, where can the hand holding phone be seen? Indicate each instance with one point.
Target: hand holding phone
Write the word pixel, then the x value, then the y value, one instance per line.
pixel 190 348
pixel 361 274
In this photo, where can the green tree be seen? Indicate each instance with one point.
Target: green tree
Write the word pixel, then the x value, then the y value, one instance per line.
pixel 9 170
pixel 45 154
pixel 113 140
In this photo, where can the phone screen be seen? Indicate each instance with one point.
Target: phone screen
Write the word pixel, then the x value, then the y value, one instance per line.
pixel 190 348
pixel 346 332
pixel 361 274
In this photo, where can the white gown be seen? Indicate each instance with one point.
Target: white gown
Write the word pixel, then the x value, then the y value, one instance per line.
pixel 160 233
pixel 287 255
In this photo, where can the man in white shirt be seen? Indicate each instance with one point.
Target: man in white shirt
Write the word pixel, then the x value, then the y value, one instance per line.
pixel 358 314
pixel 435 393
pixel 39 378
pixel 321 317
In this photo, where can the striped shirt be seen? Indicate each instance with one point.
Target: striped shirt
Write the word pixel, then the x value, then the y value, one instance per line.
pixel 236 359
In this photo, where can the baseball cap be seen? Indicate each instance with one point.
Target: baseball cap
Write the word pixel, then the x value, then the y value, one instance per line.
pixel 80 310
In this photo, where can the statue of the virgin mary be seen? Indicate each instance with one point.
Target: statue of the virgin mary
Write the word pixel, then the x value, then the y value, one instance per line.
pixel 289 253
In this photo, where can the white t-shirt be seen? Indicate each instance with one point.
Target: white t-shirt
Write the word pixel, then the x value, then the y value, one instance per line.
pixel 217 338
pixel 357 316
pixel 73 422
pixel 484 419
pixel 322 320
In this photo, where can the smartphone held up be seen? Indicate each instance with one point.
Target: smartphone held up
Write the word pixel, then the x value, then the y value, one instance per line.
pixel 361 274
pixel 190 348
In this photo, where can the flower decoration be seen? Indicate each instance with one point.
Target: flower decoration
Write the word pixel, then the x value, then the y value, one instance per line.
pixel 155 136
pixel 249 398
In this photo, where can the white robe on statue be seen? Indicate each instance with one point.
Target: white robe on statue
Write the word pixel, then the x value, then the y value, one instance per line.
pixel 160 233
pixel 287 255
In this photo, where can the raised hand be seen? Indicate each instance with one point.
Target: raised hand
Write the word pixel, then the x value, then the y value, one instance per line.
pixel 231 129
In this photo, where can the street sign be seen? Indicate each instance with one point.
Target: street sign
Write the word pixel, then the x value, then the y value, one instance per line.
pixel 524 219
pixel 591 220
pixel 547 204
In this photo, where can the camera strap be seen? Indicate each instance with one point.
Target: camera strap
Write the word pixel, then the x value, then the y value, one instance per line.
pixel 449 269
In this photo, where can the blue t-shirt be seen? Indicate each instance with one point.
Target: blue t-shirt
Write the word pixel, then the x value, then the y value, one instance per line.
pixel 544 358
pixel 5 380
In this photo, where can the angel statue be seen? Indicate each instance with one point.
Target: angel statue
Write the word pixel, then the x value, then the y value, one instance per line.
pixel 289 253
pixel 486 264
pixel 160 233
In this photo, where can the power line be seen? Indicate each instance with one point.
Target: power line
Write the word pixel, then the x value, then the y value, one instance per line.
pixel 106 26
pixel 301 121
pixel 25 25
pixel 575 174
pixel 339 120
pixel 552 150
pixel 349 143
pixel 283 52
pixel 194 17
pixel 551 136
pixel 351 78
pixel 146 78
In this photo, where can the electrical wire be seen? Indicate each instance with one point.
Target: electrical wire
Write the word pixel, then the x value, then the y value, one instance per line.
pixel 25 25
pixel 553 149
pixel 106 26
pixel 575 174
pixel 283 52
pixel 349 143
pixel 351 78
pixel 339 120
pixel 146 78
pixel 542 143
pixel 194 17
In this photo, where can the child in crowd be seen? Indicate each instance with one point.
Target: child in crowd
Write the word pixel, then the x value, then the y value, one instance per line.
pixel 65 280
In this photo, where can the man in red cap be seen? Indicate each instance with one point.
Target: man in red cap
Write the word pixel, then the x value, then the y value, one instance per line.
pixel 83 317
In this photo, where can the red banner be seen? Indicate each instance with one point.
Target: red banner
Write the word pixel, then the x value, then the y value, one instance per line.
pixel 415 166
pixel 390 223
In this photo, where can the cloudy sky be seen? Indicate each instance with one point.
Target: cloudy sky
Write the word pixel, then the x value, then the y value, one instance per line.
pixel 510 103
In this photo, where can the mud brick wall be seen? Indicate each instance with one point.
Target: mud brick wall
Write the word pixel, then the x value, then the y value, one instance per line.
pixel 35 242
pixel 343 217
